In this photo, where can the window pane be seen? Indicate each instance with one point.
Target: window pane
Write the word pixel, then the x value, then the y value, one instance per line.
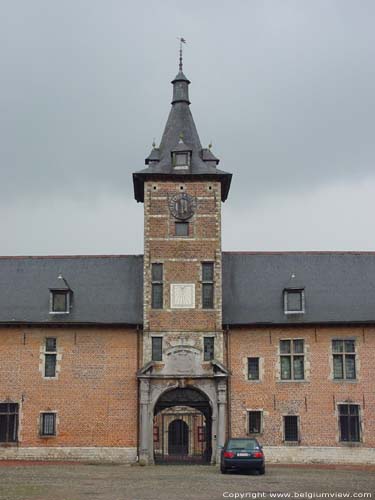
pixel 285 346
pixel 253 368
pixel 157 351
pixel 181 159
pixel 291 428
pixel 285 368
pixel 157 272
pixel 207 295
pixel 354 428
pixel 50 365
pixel 12 428
pixel 338 368
pixel 350 366
pixel 209 348
pixel 294 301
pixel 3 428
pixel 254 422
pixel 51 344
pixel 182 229
pixel 59 301
pixel 48 424
pixel 298 368
pixel 354 410
pixel 344 428
pixel 343 409
pixel 298 346
pixel 337 346
pixel 157 296
pixel 207 271
pixel 349 346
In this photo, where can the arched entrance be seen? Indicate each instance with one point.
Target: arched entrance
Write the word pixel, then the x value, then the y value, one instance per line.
pixel 182 427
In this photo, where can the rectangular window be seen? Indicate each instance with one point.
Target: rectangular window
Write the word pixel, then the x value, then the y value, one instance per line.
pixel 349 422
pixel 209 348
pixel 207 285
pixel 292 359
pixel 50 357
pixel 344 359
pixel 157 286
pixel 291 428
pixel 157 348
pixel 255 422
pixel 294 301
pixel 253 368
pixel 181 228
pixel 8 422
pixel 48 424
pixel 59 301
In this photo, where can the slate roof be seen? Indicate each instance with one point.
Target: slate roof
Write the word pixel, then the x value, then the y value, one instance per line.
pixel 339 288
pixel 106 289
pixel 180 124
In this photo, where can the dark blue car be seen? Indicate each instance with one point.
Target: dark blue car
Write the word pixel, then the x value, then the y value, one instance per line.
pixel 242 454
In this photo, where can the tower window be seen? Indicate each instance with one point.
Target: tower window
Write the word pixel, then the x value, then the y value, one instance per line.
pixel 207 285
pixel 157 286
pixel 181 228
pixel 157 348
pixel 209 348
pixel 181 160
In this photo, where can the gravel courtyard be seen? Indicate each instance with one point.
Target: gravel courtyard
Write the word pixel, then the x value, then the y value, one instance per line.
pixel 119 482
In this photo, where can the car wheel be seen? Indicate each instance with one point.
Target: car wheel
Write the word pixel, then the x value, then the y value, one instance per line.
pixel 223 470
pixel 262 470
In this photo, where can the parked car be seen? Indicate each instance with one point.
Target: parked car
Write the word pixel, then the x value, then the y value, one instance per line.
pixel 242 454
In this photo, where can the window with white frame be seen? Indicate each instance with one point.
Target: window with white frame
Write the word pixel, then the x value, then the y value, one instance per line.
pixel 48 424
pixel 60 301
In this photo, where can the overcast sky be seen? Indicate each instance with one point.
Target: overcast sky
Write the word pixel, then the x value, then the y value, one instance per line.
pixel 284 90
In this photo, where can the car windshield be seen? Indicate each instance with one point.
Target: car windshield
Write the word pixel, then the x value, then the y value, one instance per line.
pixel 242 444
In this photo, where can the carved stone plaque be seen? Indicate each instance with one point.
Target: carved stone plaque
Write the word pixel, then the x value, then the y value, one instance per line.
pixel 182 296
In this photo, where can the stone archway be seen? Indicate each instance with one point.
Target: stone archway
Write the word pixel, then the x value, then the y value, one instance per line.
pixel 182 427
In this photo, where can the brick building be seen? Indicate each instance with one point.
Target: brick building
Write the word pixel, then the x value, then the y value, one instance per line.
pixel 159 357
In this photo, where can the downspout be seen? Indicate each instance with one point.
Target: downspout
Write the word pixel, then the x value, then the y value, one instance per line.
pixel 229 392
pixel 138 401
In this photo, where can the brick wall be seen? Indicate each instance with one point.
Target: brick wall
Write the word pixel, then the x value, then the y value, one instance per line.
pixel 94 392
pixel 314 399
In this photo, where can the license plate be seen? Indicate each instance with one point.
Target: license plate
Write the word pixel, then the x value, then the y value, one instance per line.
pixel 242 454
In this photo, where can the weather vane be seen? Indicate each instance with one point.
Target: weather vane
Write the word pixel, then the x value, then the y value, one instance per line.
pixel 181 40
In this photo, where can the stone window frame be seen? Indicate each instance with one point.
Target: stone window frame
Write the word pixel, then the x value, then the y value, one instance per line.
pixel 203 350
pixel 360 423
pixel 16 413
pixel 291 442
pixel 152 337
pixel 41 423
pixel 50 352
pixel 208 282
pixel 292 354
pixel 159 283
pixel 259 369
pixel 299 290
pixel 253 410
pixel 344 354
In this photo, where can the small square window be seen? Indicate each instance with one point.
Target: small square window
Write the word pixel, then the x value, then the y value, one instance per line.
pixel 59 301
pixel 181 228
pixel 48 424
pixel 181 160
pixel 294 301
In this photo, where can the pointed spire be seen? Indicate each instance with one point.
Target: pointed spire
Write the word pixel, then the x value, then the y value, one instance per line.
pixel 180 83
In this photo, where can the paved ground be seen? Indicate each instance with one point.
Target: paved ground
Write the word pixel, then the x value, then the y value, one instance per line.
pixel 119 482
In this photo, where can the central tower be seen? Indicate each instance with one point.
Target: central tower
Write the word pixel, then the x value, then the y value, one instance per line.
pixel 183 379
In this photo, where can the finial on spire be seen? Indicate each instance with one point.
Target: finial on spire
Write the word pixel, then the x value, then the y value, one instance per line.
pixel 182 40
pixel 153 143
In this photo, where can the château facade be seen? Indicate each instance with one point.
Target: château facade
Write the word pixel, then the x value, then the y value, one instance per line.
pixel 159 357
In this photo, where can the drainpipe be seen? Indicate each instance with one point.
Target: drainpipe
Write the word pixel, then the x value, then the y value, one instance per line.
pixel 229 394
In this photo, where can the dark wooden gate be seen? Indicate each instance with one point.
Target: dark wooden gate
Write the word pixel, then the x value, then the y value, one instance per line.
pixel 178 438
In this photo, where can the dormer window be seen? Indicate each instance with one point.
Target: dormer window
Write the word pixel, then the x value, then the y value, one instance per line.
pixel 60 297
pixel 294 301
pixel 181 160
pixel 59 301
